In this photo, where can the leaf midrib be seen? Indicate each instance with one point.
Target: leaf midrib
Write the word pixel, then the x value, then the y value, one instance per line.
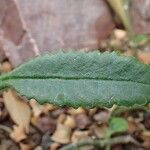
pixel 68 78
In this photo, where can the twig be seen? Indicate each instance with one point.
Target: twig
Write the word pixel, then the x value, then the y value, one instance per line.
pixel 101 143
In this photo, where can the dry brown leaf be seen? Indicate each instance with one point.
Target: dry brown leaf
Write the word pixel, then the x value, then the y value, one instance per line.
pixel 82 121
pixel 81 136
pixel 62 134
pixel 36 107
pixel 100 131
pixel 39 109
pixel 49 107
pixel 146 138
pixel 61 118
pixel 25 146
pixel 18 109
pixel 18 133
pixel 70 122
pixel 92 111
pixel 54 146
pixel 102 117
pixel 38 148
pixel 134 125
pixel 77 111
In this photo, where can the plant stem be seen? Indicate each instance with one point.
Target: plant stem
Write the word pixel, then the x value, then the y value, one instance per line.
pixel 118 7
pixel 101 143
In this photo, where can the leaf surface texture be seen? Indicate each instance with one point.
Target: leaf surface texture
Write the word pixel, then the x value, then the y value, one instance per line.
pixel 82 79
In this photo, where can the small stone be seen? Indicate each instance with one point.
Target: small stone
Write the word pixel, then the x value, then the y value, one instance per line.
pixel 120 34
pixel 46 141
pixel 147 120
pixel 3 111
pixel 6 67
pixel 101 117
pixel 82 121
pixel 114 43
pixel 44 123
pixel 55 146
pixel 38 148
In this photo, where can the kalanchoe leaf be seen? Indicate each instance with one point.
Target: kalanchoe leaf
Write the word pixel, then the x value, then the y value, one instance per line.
pixel 82 79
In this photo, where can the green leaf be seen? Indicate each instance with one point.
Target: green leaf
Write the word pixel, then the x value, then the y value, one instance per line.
pixel 141 39
pixel 80 79
pixel 117 125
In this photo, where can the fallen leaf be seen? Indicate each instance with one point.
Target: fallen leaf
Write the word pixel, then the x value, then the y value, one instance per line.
pixel 25 146
pixel 92 111
pixel 61 118
pixel 48 107
pixel 81 136
pixel 134 125
pixel 18 109
pixel 55 146
pixel 77 111
pixel 70 122
pixel 36 107
pixel 62 134
pixel 18 133
pixel 100 131
pixel 39 109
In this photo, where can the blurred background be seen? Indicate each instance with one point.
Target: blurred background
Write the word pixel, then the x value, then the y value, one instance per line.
pixel 32 27
pixel 29 28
